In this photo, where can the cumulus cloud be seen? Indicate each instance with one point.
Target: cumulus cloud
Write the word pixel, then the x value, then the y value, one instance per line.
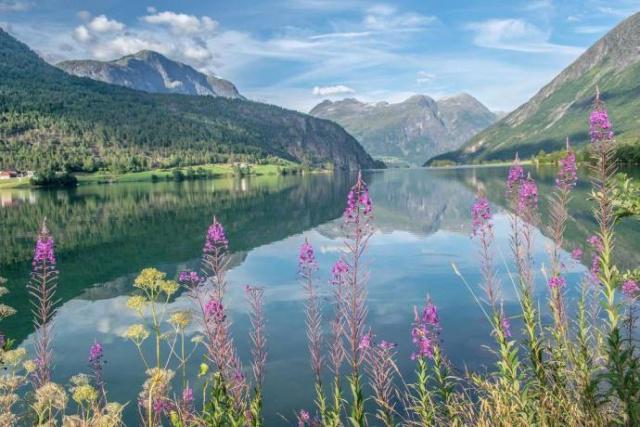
pixel 516 35
pixel 82 35
pixel 181 23
pixel 151 9
pixel 332 90
pixel 102 24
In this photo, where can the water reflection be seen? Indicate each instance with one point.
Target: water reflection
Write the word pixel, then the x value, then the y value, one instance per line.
pixel 108 233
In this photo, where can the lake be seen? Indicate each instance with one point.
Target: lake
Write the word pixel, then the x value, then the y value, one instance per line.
pixel 105 234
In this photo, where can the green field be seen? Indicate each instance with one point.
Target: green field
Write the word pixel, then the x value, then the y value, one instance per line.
pixel 209 171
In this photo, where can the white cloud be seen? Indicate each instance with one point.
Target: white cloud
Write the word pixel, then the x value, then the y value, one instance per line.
pixel 516 35
pixel 82 35
pixel 126 45
pixel 181 23
pixel 385 18
pixel 424 77
pixel 15 6
pixel 151 9
pixel 332 90
pixel 573 18
pixel 102 24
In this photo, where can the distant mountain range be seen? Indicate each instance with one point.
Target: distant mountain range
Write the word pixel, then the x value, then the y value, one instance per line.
pixel 152 72
pixel 412 131
pixel 561 108
pixel 52 120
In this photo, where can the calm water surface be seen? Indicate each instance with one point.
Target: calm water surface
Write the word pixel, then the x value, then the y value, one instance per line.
pixel 106 234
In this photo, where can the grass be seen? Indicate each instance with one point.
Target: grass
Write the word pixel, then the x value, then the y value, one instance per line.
pixel 210 171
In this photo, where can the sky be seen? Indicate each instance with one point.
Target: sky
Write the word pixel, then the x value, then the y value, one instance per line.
pixel 296 53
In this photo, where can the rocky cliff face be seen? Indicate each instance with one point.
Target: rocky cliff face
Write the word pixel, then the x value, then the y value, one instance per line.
pixel 152 72
pixel 412 131
pixel 560 109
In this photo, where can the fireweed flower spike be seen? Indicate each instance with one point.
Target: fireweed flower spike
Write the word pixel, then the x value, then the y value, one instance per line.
pixel 357 224
pixel 42 288
pixel 96 362
pixel 307 266
pixel 630 289
pixel 214 257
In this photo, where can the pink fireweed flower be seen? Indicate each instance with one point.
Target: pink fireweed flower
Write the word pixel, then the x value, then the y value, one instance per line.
pixel 600 129
pixel 190 278
pixel 386 345
pixel 187 396
pixel 338 271
pixel 598 247
pixel 630 289
pixel 557 282
pixel 95 353
pixel 568 173
pixel 358 201
pixel 596 243
pixel 576 254
pixel 505 326
pixel 303 417
pixel 216 238
pixel 527 196
pixel 365 342
pixel 480 215
pixel 515 176
pixel 214 311
pixel 44 252
pixel 307 257
pixel 424 332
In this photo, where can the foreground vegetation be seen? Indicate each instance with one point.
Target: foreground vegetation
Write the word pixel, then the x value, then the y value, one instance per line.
pixel 580 368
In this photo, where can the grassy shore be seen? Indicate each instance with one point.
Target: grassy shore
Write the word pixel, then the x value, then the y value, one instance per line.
pixel 208 171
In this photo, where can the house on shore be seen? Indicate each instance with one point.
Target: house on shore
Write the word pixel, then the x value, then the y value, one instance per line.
pixel 8 174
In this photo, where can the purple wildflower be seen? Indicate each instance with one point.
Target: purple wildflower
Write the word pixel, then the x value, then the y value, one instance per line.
pixel 187 396
pixel 515 176
pixel 596 243
pixel 430 315
pixel 2 341
pixel 568 174
pixel 630 289
pixel 365 342
pixel 307 257
pixel 190 278
pixel 480 215
pixel 557 282
pixel 600 128
pixel 216 238
pixel 386 345
pixel 425 331
pixel 505 326
pixel 527 196
pixel 95 353
pixel 43 252
pixel 303 417
pixel 576 254
pixel 162 406
pixel 358 201
pixel 214 311
pixel 338 271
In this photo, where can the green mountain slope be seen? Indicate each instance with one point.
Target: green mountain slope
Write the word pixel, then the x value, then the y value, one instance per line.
pixel 561 108
pixel 51 119
pixel 411 131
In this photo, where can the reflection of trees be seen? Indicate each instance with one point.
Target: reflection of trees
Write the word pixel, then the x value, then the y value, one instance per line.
pixel 104 232
pixel 581 224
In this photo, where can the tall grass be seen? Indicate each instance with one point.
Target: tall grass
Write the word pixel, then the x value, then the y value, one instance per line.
pixel 580 368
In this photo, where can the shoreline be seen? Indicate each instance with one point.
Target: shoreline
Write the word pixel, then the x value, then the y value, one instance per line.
pixel 211 171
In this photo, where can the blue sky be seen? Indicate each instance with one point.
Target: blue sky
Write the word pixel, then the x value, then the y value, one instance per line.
pixel 296 53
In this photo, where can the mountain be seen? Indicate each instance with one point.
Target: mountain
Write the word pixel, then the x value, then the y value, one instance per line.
pixel 152 72
pixel 561 108
pixel 414 130
pixel 50 119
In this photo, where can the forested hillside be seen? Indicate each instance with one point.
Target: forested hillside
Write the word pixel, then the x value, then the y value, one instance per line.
pixel 51 120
